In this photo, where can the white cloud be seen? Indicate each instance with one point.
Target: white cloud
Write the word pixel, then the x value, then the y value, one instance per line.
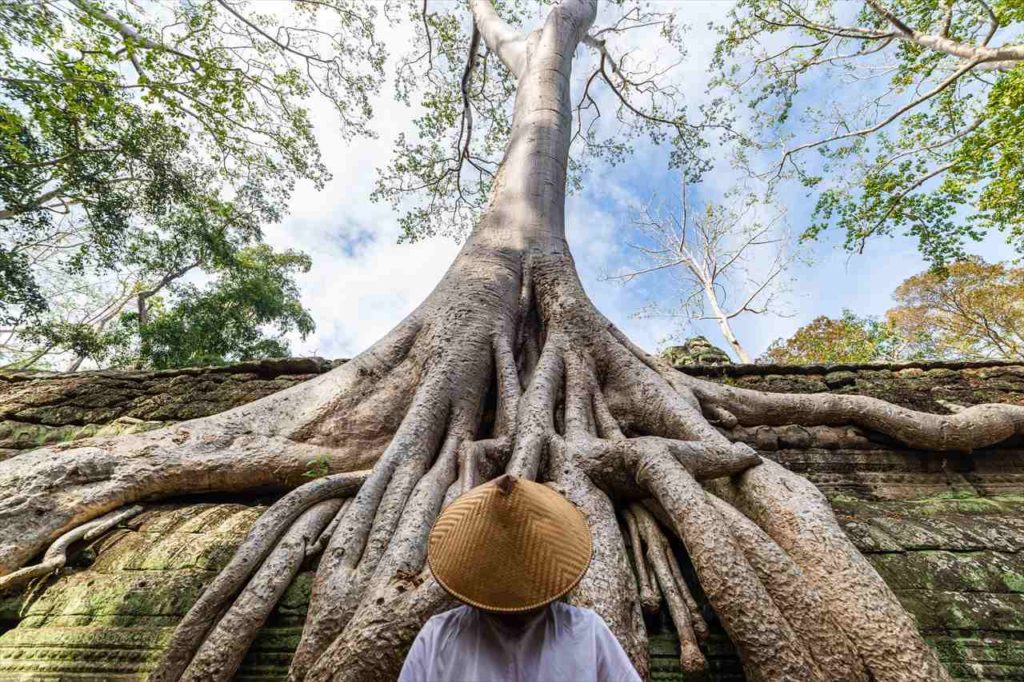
pixel 362 281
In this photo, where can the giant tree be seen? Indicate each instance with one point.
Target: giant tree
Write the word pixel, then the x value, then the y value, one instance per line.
pixel 507 366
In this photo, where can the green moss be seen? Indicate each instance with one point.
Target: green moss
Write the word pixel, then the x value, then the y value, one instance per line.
pixel 23 436
pixel 844 501
pixel 956 502
pixel 1014 581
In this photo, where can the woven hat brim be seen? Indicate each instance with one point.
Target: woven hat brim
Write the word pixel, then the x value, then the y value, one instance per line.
pixel 528 606
pixel 517 609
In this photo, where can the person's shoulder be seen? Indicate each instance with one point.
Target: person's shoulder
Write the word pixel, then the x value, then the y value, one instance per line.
pixel 580 617
pixel 578 614
pixel 436 626
pixel 448 617
pixel 575 611
pixel 613 664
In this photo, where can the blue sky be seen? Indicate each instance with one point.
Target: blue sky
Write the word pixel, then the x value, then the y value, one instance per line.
pixel 363 282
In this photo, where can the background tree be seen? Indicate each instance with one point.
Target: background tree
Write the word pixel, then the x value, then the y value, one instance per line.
pixel 226 321
pixel 971 309
pixel 968 310
pixel 142 141
pixel 507 366
pixel 847 339
pixel 171 323
pixel 727 262
pixel 927 138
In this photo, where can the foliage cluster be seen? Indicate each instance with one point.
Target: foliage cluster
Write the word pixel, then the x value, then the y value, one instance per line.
pixel 926 138
pixel 968 310
pixel 144 145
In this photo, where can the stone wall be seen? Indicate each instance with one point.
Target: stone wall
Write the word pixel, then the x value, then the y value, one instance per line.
pixel 37 408
pixel 945 530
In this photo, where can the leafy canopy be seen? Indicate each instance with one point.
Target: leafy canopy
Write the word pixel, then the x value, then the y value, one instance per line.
pixel 846 339
pixel 227 319
pixel 971 309
pixel 923 122
pixel 142 141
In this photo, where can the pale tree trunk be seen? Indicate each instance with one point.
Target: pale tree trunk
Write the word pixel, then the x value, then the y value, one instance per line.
pixel 723 325
pixel 507 367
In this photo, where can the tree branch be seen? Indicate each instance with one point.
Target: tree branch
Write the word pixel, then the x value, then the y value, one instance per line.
pixel 125 30
pixel 1000 58
pixel 884 122
pixel 502 39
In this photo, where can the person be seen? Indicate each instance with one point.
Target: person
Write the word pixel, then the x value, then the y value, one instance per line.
pixel 509 550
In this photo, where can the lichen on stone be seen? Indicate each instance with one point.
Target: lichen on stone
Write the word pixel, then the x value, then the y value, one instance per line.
pixel 696 350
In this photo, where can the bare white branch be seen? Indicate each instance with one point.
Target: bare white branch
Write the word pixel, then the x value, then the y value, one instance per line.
pixel 711 251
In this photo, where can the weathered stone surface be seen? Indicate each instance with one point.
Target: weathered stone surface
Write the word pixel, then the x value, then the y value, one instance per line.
pixel 945 530
pixel 37 408
pixel 955 561
pixel 922 386
pixel 696 350
pixel 111 619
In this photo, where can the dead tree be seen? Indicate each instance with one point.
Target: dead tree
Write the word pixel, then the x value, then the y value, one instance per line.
pixel 507 367
pixel 728 262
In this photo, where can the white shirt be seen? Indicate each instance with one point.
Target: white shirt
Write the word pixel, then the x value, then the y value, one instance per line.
pixel 561 643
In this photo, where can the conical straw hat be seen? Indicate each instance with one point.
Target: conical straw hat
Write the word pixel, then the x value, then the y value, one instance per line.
pixel 509 545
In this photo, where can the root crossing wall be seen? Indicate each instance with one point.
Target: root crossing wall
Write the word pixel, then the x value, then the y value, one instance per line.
pixel 945 531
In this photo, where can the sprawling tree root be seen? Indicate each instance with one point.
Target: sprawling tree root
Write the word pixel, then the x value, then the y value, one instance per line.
pixel 371 647
pixel 967 429
pixel 262 538
pixel 767 644
pixel 681 606
pixel 650 597
pixel 609 587
pixel 220 654
pixel 455 396
pixel 799 519
pixel 796 597
pixel 57 555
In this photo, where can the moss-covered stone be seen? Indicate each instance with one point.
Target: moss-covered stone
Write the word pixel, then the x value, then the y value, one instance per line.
pixel 696 351
pixel 114 617
pixel 979 571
